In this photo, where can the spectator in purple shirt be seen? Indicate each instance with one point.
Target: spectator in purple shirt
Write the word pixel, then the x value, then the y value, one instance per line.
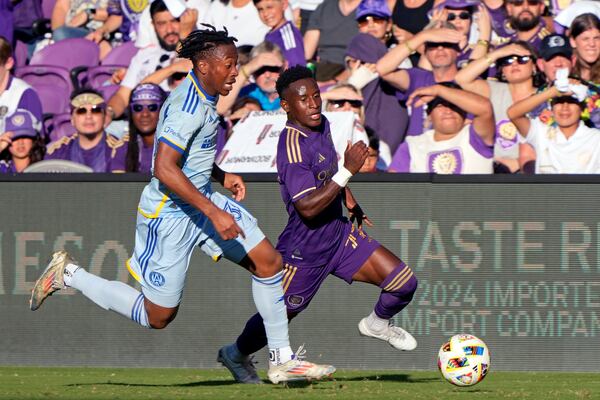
pixel 524 22
pixel 14 92
pixel 6 19
pixel 90 145
pixel 283 33
pixel 144 106
pixel 21 144
pixel 318 239
pixel 441 50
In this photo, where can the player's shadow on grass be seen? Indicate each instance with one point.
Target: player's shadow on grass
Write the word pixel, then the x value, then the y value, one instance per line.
pixel 404 378
pixel 182 385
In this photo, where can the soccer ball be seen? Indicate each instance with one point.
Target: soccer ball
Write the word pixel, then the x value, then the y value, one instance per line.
pixel 464 360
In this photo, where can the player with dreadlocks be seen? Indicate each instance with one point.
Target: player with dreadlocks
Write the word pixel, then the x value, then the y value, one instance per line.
pixel 318 240
pixel 178 211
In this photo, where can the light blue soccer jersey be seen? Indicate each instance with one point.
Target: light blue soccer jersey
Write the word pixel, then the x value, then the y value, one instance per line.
pixel 188 123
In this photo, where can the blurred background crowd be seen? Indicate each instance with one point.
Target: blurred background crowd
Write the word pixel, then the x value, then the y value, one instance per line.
pixel 438 86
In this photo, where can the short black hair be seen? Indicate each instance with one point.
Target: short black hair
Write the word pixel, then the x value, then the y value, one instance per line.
pixel 200 44
pixel 157 6
pixel 290 76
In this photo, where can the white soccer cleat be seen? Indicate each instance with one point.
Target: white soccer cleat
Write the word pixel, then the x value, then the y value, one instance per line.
pixel 394 335
pixel 297 369
pixel 243 371
pixel 51 280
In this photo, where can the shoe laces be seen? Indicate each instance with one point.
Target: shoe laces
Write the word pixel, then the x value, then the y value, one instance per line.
pixel 250 364
pixel 396 331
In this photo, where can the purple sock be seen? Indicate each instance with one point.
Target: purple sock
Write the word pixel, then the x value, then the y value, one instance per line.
pixel 398 290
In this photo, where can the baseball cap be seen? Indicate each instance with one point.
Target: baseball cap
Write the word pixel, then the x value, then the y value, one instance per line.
pixel 23 124
pixel 457 4
pixel 147 91
pixel 377 8
pixel 555 44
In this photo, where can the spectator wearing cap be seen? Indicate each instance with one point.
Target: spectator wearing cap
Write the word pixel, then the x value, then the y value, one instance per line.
pixel 257 79
pixel 461 14
pixel 567 146
pixel 585 40
pixel 152 58
pixel 384 113
pixel 441 51
pixel 524 22
pixel 517 78
pixel 21 144
pixel 14 92
pixel 283 33
pixel 452 146
pixel 144 108
pixel 329 30
pixel 375 18
pixel 555 54
pixel 89 145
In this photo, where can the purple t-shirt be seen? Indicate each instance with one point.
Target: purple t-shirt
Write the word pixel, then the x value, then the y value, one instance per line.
pixel 118 162
pixel 289 39
pixel 131 13
pixel 29 101
pixel 6 20
pixel 306 160
pixel 418 78
pixel 7 167
pixel 98 158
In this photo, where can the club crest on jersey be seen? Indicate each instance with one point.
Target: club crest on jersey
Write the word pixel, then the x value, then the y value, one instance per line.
pixel 157 279
pixel 209 142
pixel 233 210
pixel 295 300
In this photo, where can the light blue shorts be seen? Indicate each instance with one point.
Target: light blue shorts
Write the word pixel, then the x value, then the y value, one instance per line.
pixel 163 247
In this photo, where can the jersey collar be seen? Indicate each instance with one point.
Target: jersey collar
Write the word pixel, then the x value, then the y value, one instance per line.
pixel 323 129
pixel 192 76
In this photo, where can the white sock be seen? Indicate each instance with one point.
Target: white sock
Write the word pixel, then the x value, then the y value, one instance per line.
pixel 110 295
pixel 268 298
pixel 375 323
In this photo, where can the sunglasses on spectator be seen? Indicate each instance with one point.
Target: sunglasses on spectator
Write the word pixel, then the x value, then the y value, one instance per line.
pixel 464 15
pixel 364 21
pixel 140 107
pixel 446 45
pixel 340 103
pixel 519 3
pixel 504 61
pixel 268 68
pixel 97 109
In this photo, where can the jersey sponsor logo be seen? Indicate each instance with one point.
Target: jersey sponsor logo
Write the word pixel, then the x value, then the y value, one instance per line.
pixel 156 278
pixel 233 210
pixel 296 255
pixel 295 300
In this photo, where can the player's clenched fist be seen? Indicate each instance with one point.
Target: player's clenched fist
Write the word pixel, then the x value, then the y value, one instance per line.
pixel 355 156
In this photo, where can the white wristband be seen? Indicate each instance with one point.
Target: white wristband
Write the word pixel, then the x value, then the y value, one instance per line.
pixel 342 177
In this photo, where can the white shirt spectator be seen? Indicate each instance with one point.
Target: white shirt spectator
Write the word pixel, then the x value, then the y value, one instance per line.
pixel 465 153
pixel 555 154
pixel 243 23
pixel 144 63
pixel 310 5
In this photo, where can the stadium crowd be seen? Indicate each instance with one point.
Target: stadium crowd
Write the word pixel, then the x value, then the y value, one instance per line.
pixel 440 86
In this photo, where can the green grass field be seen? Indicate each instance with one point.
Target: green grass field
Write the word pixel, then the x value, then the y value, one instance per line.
pixel 109 383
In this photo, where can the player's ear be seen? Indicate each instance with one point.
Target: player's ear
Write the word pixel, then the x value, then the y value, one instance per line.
pixel 203 67
pixel 285 105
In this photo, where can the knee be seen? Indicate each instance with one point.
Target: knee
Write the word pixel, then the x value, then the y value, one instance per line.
pixel 160 321
pixel 272 265
pixel 411 286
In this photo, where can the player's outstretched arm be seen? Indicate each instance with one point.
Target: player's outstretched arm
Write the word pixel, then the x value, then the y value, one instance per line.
pixel 313 204
pixel 356 212
pixel 168 172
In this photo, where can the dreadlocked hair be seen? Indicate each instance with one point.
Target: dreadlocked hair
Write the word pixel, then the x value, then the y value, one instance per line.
pixel 201 43
pixel 290 76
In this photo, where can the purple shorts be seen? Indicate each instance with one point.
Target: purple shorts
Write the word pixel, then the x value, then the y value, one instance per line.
pixel 301 284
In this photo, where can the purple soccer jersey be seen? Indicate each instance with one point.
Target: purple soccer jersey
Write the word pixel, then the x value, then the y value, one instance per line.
pixel 7 167
pixel 289 39
pixel 98 158
pixel 119 161
pixel 306 160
